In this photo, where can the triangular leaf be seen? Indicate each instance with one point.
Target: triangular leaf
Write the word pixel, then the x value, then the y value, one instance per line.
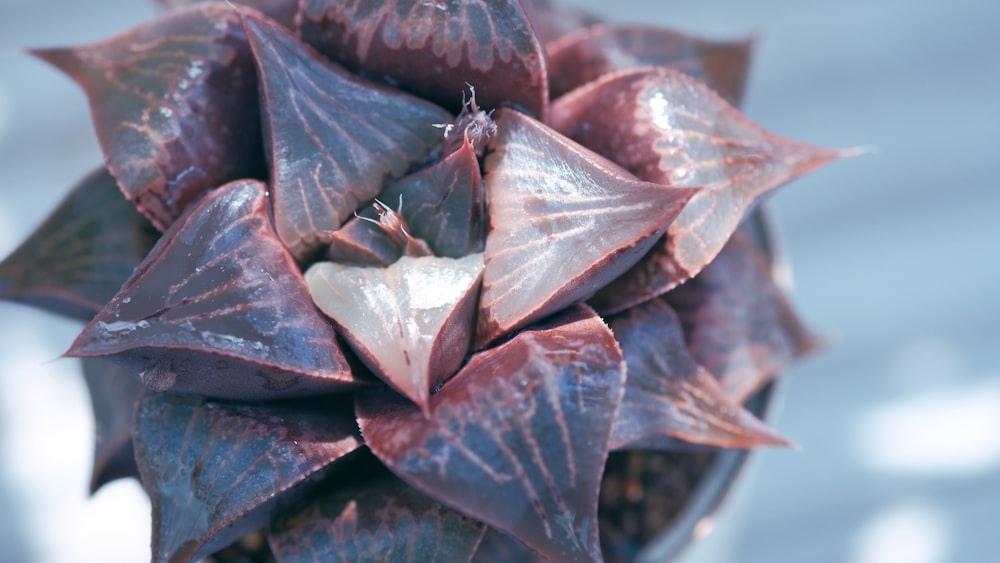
pixel 588 54
pixel 518 438
pixel 333 138
pixel 737 321
pixel 376 518
pixel 410 323
pixel 76 261
pixel 444 204
pixel 435 49
pixel 219 308
pixel 564 222
pixel 281 11
pixel 678 132
pixel 113 393
pixel 667 394
pixel 215 471
pixel 498 547
pixel 174 104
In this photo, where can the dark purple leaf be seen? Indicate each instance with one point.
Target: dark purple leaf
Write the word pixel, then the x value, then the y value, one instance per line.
pixel 216 471
pixel 588 54
pixel 410 323
pixel 81 255
pixel 174 104
pixel 678 132
pixel 113 393
pixel 564 222
pixel 333 138
pixel 434 49
pixel 219 308
pixel 518 438
pixel 737 321
pixel 444 204
pixel 667 394
pixel 378 518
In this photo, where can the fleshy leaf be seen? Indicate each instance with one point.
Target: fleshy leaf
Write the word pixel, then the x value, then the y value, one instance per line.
pixel 175 107
pixel 498 547
pixel 667 394
pixel 444 204
pixel 737 321
pixel 588 54
pixel 76 261
pixel 113 393
pixel 678 132
pixel 518 438
pixel 219 308
pixel 564 222
pixel 333 138
pixel 377 518
pixel 216 471
pixel 410 323
pixel 434 49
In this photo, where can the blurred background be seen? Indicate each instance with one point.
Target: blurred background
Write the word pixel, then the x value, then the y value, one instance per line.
pixel 894 255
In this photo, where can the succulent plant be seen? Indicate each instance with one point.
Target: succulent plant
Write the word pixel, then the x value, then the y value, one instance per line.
pixel 396 280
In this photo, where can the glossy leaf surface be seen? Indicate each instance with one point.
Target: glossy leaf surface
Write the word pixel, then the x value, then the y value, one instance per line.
pixel 333 138
pixel 680 133
pixel 411 323
pixel 113 393
pixel 564 222
pixel 376 518
pixel 667 394
pixel 281 11
pixel 588 54
pixel 76 261
pixel 216 471
pixel 434 49
pixel 518 438
pixel 219 308
pixel 174 103
pixel 737 321
pixel 444 204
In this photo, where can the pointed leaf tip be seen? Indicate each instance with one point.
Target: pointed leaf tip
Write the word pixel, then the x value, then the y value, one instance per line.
pixel 564 222
pixel 680 133
pixel 219 308
pixel 174 103
pixel 333 138
pixel 668 395
pixel 518 438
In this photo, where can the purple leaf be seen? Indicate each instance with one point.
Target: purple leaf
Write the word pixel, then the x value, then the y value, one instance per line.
pixel 588 54
pixel 333 138
pixel 410 323
pixel 113 393
pixel 738 323
pixel 81 255
pixel 377 518
pixel 564 222
pixel 174 103
pixel 219 308
pixel 498 547
pixel 667 394
pixel 216 471
pixel 680 133
pixel 444 204
pixel 518 438
pixel 281 11
pixel 434 49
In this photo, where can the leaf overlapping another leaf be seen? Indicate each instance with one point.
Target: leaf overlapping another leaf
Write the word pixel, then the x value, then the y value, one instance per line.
pixel 219 308
pixel 174 103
